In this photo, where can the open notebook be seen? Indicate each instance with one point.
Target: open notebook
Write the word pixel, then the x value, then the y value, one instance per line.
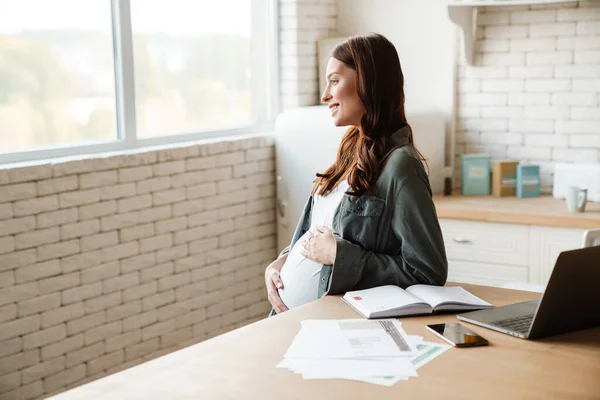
pixel 393 301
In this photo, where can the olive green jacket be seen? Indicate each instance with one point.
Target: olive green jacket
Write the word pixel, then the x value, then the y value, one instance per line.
pixel 390 237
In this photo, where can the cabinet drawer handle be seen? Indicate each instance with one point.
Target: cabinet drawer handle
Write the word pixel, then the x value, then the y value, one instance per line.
pixel 462 240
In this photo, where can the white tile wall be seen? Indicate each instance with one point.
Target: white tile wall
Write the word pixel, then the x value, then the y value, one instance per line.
pixel 302 23
pixel 534 91
pixel 108 262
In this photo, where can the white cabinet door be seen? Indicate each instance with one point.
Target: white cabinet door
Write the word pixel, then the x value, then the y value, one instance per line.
pixel 546 243
pixel 485 274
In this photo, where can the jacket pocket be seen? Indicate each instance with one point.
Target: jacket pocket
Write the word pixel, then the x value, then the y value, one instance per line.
pixel 364 206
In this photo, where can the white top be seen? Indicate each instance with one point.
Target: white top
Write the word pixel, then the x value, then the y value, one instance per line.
pixel 300 276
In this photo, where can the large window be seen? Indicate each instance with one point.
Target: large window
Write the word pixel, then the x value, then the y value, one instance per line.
pixel 86 76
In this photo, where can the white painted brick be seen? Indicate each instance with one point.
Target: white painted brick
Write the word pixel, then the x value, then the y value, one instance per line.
pixel 549 112
pixel 577 71
pixel 526 17
pixel 59 217
pixel 506 59
pixel 231 185
pixel 528 153
pixel 260 154
pixel 35 206
pixel 153 185
pixel 81 293
pixel 533 125
pixel 79 229
pixel 43 370
pixel 529 99
pixel 6 211
pixel 578 14
pixel 231 212
pixel 134 203
pixel 30 173
pixel 96 179
pixel 157 272
pixel 135 173
pixel 98 210
pixel 201 246
pixel 577 43
pixel 177 152
pixel 4 177
pixel 176 337
pixel 79 262
pixel 37 238
pixel 486 72
pixel 8 312
pixel 490 99
pixel 584 141
pixel 156 242
pixel 550 58
pixel 170 225
pixel 37 271
pixel 39 304
pixel 501 85
pixel 191 290
pixel 140 320
pixel 552 29
pixel 493 18
pixel 174 281
pixel 119 221
pixel 169 168
pixel 171 253
pixel 62 314
pixel 200 191
pixel 585 113
pixel 85 354
pixel 123 311
pixel 7 244
pixel 63 378
pixel 502 138
pixel 102 332
pixel 138 262
pixel 17 259
pixel 44 337
pixel 506 32
pixel 158 329
pixel 120 282
pixel 200 163
pixel 260 205
pixel 586 85
pixel 576 155
pixel 98 241
pixel 137 292
pixel 168 196
pixel 77 198
pixel 267 165
pixel 533 45
pixel 17 361
pixel 140 349
pixel 171 311
pixel 191 318
pixel 591 127
pixel 588 56
pixel 248 299
pixel 55 284
pixel 7 279
pixel 85 323
pixel 192 262
pixel 541 71
pixel 207 327
pixel 195 220
pixel 547 85
pixel 117 191
pixel 231 159
pixel 21 326
pixel 10 346
pixel 103 302
pixel 56 185
pixel 136 232
pixel 588 27
pixel 17 225
pixel 123 341
pixel 575 99
pixel 19 191
pixel 471 85
pixel 157 300
pixel 30 391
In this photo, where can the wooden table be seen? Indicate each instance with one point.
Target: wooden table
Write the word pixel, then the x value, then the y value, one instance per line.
pixel 241 365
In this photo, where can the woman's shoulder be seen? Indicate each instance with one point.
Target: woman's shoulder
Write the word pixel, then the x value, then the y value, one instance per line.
pixel 403 161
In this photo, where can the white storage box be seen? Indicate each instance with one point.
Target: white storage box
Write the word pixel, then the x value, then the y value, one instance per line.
pixel 584 176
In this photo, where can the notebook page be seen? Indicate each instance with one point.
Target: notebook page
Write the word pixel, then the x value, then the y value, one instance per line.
pixel 436 295
pixel 381 298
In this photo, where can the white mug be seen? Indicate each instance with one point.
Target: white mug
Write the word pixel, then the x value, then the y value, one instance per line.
pixel 576 199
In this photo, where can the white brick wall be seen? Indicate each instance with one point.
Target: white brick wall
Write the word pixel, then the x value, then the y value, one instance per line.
pixel 301 24
pixel 108 262
pixel 534 91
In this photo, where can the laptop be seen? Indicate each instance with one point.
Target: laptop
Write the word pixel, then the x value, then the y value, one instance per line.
pixel 570 302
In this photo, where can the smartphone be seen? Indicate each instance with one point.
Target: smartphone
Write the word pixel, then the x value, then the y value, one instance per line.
pixel 458 335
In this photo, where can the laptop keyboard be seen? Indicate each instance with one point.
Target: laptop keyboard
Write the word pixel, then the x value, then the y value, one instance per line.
pixel 518 324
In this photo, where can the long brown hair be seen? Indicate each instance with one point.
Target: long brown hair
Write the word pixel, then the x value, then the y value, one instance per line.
pixel 381 91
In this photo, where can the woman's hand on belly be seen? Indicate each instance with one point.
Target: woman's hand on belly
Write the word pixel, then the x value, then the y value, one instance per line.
pixel 273 283
pixel 320 245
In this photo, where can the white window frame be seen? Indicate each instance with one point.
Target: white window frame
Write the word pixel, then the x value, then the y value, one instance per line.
pixel 265 90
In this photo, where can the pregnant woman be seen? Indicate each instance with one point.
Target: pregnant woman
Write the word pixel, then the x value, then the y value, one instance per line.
pixel 370 219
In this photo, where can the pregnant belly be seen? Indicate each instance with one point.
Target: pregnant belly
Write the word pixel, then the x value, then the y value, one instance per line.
pixel 300 277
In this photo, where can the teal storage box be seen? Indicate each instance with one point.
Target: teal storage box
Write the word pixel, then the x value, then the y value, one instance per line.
pixel 475 174
pixel 528 180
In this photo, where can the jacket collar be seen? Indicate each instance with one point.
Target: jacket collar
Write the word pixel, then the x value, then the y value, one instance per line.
pixel 400 137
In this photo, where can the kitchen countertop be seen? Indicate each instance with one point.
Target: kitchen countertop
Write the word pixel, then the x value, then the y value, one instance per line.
pixel 544 211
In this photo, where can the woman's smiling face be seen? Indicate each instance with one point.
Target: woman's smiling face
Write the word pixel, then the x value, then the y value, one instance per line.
pixel 341 94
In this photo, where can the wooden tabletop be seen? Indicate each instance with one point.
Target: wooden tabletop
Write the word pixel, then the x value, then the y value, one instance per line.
pixel 241 365
pixel 545 211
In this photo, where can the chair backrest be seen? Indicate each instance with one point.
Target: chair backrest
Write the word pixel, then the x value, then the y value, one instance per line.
pixel 591 237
